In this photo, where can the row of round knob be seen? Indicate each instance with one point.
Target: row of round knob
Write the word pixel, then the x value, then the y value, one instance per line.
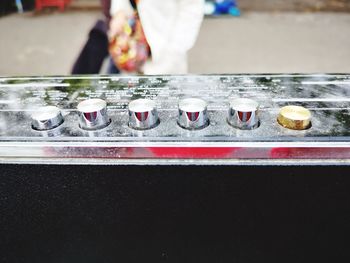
pixel 192 114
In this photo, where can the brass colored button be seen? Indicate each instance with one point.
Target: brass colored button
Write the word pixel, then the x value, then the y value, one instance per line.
pixel 294 117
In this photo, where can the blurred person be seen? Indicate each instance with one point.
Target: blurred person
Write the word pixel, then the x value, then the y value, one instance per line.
pixel 95 49
pixel 170 27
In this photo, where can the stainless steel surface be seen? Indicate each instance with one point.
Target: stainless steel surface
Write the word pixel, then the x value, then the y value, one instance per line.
pixel 193 114
pixel 326 96
pixel 46 118
pixel 143 114
pixel 243 114
pixel 93 114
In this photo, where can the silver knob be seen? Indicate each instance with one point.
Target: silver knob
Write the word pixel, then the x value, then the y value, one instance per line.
pixel 243 114
pixel 193 114
pixel 143 114
pixel 93 114
pixel 47 118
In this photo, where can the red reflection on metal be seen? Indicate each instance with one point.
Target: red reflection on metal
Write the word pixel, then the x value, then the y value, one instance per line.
pixel 141 116
pixel 193 152
pixel 192 116
pixel 90 116
pixel 244 116
pixel 310 153
pixel 179 152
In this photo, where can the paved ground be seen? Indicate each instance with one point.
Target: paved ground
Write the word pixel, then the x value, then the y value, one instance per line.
pixel 285 42
pixel 292 5
pixel 255 42
pixel 44 44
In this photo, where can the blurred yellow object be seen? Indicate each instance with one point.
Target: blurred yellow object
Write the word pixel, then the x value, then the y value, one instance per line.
pixel 127 29
pixel 123 58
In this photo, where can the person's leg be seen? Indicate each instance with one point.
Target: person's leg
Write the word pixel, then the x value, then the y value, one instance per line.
pixel 112 69
pixel 94 52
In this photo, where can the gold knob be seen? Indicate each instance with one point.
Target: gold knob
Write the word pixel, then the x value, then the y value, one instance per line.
pixel 294 117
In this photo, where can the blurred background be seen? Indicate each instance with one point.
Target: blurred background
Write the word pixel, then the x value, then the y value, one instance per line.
pixel 243 36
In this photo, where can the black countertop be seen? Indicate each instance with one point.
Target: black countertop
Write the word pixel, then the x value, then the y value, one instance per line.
pixel 52 213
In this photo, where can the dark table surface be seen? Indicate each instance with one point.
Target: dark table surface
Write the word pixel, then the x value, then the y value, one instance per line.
pixel 52 213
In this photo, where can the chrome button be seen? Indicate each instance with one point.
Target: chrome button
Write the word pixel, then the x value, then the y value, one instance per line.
pixel 93 114
pixel 193 114
pixel 47 118
pixel 143 114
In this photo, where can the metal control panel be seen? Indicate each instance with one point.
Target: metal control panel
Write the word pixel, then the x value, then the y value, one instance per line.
pixel 194 119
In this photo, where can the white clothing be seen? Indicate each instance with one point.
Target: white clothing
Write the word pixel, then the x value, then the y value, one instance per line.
pixel 171 28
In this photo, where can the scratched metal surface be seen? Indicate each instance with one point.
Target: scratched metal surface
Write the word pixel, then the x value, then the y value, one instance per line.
pixel 326 96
